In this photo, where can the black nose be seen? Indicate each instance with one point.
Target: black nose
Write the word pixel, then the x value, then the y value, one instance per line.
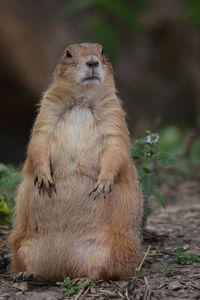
pixel 92 63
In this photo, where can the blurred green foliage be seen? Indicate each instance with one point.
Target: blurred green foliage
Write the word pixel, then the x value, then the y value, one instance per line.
pixel 111 20
pixel 9 182
pixel 193 11
pixel 107 20
pixel 172 141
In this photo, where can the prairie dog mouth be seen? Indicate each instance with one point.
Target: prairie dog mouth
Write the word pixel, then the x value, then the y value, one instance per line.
pixel 91 78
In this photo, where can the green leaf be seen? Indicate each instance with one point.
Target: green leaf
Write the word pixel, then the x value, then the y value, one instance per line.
pixel 169 272
pixel 136 153
pixel 148 182
pixel 5 216
pixel 160 198
pixel 9 182
pixel 146 170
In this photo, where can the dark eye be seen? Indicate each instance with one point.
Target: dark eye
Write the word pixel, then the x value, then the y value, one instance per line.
pixel 102 52
pixel 68 54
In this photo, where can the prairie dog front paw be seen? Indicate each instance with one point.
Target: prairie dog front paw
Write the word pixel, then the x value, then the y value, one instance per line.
pixel 104 185
pixel 44 182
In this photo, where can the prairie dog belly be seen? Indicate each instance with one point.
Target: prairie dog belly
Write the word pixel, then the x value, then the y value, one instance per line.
pixel 77 144
pixel 70 210
pixel 75 156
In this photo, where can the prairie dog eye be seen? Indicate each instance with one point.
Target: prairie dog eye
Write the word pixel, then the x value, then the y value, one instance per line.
pixel 102 52
pixel 68 54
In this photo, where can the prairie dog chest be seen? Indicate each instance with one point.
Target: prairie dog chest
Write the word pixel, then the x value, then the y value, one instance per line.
pixel 77 137
pixel 80 124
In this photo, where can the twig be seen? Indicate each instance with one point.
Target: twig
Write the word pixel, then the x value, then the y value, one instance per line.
pixel 121 295
pixel 86 291
pixel 126 293
pixel 83 291
pixel 148 291
pixel 80 293
pixel 157 250
pixel 137 271
pixel 190 285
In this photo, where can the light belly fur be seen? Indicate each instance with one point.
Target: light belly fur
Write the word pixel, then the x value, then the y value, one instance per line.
pixel 77 145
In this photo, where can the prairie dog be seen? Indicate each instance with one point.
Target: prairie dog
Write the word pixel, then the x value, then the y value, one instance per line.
pixel 79 207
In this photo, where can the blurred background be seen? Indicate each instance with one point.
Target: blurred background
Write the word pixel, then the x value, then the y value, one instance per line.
pixel 154 46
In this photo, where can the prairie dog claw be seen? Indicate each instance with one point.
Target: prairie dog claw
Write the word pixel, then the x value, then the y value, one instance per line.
pixel 102 187
pixel 42 182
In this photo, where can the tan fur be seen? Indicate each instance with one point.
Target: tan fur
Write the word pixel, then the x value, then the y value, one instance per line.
pixel 79 141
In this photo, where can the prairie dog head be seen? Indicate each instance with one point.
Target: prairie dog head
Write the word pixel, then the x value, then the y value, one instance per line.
pixel 84 65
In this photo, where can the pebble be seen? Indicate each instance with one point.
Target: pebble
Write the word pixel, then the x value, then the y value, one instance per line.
pixel 186 247
pixel 175 285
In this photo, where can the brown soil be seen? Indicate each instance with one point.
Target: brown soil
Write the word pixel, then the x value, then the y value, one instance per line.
pixel 167 229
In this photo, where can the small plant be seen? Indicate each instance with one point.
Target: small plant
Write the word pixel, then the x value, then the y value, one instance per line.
pixel 9 182
pixel 169 272
pixel 186 258
pixel 147 156
pixel 70 287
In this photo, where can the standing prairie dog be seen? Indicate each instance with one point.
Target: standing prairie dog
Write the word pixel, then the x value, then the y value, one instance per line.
pixel 79 206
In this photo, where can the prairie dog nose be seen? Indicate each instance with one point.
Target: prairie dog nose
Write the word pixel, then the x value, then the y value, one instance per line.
pixel 92 63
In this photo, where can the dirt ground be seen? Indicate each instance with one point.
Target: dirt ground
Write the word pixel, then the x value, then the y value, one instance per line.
pixel 167 229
